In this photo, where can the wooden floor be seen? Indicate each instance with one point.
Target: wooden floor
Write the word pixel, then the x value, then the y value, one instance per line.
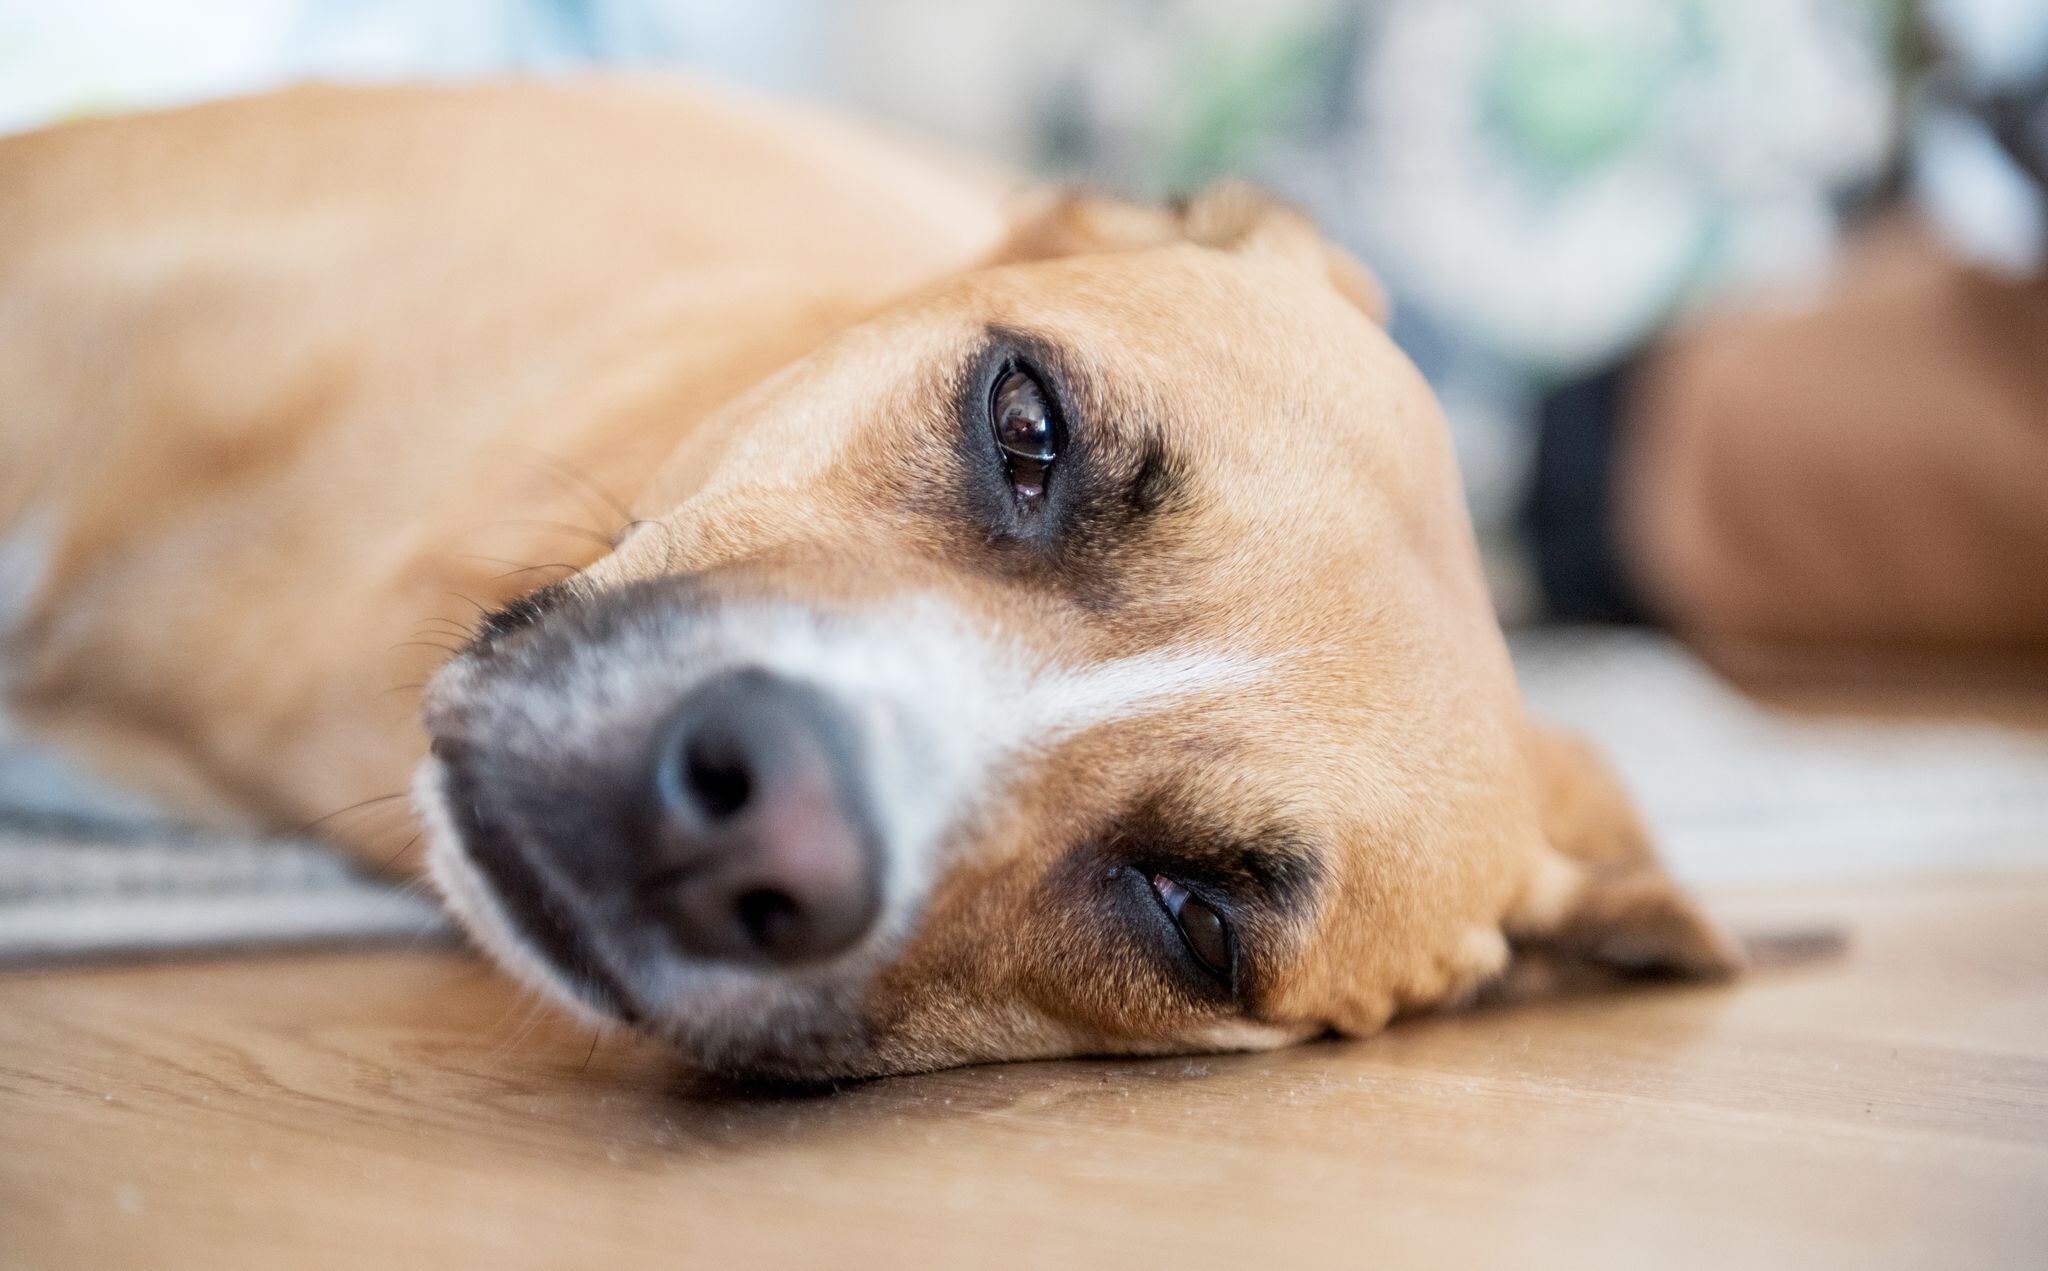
pixel 1889 1108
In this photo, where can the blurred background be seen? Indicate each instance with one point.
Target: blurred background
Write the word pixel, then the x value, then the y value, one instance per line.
pixel 1735 306
pixel 1544 185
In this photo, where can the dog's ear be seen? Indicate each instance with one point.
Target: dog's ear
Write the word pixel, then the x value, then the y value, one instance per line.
pixel 1598 898
pixel 1230 216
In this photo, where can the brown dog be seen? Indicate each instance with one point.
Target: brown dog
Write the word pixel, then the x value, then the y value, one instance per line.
pixel 1036 630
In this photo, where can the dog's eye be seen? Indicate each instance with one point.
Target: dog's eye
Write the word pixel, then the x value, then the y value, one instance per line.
pixel 1203 929
pixel 1026 429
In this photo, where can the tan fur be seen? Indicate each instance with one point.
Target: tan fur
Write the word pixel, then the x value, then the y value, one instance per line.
pixel 293 374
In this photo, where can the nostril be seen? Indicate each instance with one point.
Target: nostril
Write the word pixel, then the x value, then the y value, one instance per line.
pixel 758 850
pixel 718 779
pixel 771 918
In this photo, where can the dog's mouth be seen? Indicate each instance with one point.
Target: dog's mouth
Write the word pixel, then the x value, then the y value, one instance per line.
pixel 587 953
pixel 538 915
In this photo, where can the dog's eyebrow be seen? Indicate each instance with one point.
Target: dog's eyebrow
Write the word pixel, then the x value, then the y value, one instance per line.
pixel 1117 479
pixel 1284 870
pixel 1129 472
pixel 1267 864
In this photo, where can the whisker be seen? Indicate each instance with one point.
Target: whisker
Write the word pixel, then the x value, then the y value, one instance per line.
pixel 573 570
pixel 310 826
pixel 528 1006
pixel 518 568
pixel 608 541
pixel 538 1009
pixel 563 469
pixel 449 649
pixel 384 870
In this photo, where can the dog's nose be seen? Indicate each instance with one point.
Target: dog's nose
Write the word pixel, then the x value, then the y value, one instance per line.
pixel 763 852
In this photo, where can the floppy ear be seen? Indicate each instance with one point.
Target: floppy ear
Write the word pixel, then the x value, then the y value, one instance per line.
pixel 1230 216
pixel 1599 898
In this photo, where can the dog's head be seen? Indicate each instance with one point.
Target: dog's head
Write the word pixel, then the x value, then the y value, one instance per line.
pixel 1087 655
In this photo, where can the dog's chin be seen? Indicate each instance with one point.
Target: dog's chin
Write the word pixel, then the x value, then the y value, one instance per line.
pixel 783 1025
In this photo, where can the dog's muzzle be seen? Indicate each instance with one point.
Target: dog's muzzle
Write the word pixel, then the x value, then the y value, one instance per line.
pixel 706 817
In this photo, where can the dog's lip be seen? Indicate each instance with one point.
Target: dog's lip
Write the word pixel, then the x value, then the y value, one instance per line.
pixel 525 896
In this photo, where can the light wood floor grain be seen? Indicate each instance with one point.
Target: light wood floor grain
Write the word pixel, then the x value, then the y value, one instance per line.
pixel 1886 1109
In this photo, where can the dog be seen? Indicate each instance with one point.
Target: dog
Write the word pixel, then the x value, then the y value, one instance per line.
pixel 1031 624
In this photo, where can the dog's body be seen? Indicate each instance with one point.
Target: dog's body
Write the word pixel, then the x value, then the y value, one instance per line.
pixel 287 386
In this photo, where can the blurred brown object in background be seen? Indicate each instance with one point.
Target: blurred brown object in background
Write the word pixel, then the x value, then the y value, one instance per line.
pixel 1870 470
